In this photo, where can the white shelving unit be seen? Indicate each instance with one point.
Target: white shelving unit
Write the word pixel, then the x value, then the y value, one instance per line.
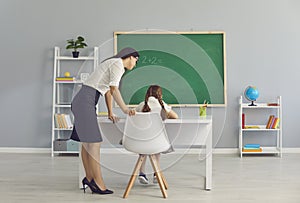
pixel 274 135
pixel 61 100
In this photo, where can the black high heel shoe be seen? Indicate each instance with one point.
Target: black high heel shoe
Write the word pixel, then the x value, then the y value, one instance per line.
pixel 85 182
pixel 96 189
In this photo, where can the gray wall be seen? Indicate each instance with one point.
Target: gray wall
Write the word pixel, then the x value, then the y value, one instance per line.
pixel 262 46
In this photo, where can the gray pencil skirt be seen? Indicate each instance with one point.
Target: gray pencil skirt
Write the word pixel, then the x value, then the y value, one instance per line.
pixel 86 128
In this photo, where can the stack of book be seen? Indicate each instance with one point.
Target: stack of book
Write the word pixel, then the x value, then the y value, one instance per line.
pixel 273 122
pixel 63 121
pixel 65 79
pixel 252 148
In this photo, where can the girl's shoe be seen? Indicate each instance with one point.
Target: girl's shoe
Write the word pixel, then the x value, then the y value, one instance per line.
pixel 143 179
pixel 154 179
pixel 96 189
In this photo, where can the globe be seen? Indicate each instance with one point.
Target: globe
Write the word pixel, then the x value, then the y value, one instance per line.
pixel 251 93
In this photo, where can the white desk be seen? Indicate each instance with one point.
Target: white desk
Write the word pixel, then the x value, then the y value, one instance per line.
pixel 183 133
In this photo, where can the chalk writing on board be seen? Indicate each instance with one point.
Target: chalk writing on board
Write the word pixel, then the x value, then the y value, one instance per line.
pixel 152 60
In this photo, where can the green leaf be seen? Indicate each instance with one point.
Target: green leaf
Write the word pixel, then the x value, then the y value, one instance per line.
pixel 79 38
pixel 69 46
pixel 70 41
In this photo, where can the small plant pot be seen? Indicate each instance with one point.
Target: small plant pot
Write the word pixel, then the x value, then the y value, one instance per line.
pixel 75 54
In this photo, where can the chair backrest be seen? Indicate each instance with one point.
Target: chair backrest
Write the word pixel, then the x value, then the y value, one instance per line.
pixel 145 133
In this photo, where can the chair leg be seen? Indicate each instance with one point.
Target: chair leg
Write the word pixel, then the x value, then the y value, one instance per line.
pixel 161 183
pixel 161 174
pixel 164 180
pixel 134 174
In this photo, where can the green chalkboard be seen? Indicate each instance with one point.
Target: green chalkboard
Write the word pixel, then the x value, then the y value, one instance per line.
pixel 190 67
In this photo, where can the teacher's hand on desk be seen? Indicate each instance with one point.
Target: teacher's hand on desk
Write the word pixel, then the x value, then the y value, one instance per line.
pixel 113 118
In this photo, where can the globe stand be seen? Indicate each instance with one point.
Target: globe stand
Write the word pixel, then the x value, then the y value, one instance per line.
pixel 252 103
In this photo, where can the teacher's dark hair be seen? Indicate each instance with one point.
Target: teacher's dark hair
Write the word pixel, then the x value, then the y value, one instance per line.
pixel 125 53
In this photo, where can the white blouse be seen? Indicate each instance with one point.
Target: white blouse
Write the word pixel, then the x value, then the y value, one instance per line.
pixel 108 73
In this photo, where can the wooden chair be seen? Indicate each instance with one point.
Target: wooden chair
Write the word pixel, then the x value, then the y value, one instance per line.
pixel 145 134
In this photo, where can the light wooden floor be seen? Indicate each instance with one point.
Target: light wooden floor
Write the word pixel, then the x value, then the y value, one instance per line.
pixel 40 178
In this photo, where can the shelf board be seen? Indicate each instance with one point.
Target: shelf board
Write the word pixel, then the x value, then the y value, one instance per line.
pixel 70 58
pixel 259 105
pixel 62 129
pixel 265 150
pixel 66 152
pixel 69 82
pixel 62 105
pixel 261 128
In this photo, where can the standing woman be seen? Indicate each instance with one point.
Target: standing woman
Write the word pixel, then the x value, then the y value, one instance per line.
pixel 104 81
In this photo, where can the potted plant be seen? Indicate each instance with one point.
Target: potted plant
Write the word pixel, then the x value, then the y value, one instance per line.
pixel 76 44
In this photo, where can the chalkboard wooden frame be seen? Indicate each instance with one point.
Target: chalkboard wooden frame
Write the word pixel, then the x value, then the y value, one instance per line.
pixel 190 67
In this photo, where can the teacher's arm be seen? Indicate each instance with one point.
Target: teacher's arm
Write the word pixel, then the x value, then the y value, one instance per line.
pixel 114 91
pixel 108 101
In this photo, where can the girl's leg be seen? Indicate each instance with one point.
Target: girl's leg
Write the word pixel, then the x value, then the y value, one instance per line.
pixel 142 176
pixel 157 156
pixel 143 167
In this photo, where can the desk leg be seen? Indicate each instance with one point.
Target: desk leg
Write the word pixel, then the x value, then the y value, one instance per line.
pixel 208 160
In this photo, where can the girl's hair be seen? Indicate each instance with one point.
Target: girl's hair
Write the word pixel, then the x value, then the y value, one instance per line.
pixel 154 91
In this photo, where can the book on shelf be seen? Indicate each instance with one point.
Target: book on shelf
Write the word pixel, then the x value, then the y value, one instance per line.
pixel 65 125
pixel 243 120
pixel 57 121
pixel 272 104
pixel 252 146
pixel 252 127
pixel 63 121
pixel 252 150
pixel 68 121
pixel 65 78
pixel 270 121
pixel 275 123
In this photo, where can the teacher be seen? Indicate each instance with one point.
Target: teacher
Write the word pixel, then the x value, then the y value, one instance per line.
pixel 103 81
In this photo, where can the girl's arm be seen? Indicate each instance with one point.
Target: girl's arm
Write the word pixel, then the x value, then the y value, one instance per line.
pixel 172 115
pixel 169 112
